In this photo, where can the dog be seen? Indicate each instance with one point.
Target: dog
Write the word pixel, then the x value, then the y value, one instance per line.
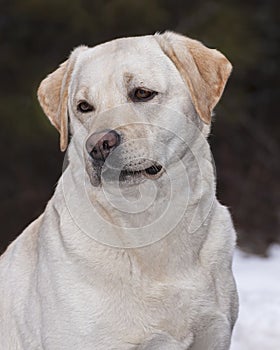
pixel 133 251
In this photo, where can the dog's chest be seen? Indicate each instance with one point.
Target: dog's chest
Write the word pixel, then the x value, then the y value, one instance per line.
pixel 135 298
pixel 142 307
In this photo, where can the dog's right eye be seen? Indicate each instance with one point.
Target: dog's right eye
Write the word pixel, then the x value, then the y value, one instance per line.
pixel 84 107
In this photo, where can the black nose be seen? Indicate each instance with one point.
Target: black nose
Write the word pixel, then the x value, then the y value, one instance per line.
pixel 100 145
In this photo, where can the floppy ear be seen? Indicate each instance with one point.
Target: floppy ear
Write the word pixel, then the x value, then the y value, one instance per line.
pixel 204 70
pixel 53 96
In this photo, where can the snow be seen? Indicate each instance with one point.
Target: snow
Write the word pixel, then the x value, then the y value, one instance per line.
pixel 258 283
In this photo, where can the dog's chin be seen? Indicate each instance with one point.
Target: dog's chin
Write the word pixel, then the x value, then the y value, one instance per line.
pixel 129 176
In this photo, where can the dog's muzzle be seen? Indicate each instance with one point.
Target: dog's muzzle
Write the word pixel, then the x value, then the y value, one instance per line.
pixel 101 145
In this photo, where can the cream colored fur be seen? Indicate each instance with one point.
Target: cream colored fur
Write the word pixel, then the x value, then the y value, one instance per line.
pixel 78 279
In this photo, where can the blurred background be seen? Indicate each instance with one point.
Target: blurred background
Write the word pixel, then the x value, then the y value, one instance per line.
pixel 35 36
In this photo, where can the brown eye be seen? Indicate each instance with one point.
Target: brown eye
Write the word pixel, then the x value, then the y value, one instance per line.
pixel 141 94
pixel 84 107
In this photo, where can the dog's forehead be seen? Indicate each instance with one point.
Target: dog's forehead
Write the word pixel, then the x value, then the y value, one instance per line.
pixel 130 57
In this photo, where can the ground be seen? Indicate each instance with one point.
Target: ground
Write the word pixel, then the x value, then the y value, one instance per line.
pixel 258 283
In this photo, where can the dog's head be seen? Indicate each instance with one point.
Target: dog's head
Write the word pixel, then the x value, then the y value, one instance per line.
pixel 132 99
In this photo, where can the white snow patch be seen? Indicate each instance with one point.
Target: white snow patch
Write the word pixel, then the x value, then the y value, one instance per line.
pixel 258 284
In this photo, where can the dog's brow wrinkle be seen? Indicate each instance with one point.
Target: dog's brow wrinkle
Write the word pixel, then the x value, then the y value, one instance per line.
pixel 128 77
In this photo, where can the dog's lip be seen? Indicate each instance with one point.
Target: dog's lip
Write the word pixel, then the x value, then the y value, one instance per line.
pixel 150 169
pixel 152 172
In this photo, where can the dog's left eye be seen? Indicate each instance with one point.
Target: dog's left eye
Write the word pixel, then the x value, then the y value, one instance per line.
pixel 141 94
pixel 84 107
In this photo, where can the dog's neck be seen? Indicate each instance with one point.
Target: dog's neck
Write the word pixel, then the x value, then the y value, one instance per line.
pixel 150 226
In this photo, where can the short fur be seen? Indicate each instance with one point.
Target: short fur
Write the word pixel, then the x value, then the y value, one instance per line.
pixel 62 289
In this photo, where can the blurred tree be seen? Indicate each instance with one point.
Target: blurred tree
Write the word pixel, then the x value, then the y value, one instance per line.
pixel 36 35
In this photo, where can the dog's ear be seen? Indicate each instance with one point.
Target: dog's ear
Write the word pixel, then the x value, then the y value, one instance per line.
pixel 53 96
pixel 204 70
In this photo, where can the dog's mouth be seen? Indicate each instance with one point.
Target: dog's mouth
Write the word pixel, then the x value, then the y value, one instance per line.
pixel 130 174
pixel 152 172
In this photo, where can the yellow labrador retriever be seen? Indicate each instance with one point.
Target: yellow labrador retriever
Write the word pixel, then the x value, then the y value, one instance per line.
pixel 133 250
